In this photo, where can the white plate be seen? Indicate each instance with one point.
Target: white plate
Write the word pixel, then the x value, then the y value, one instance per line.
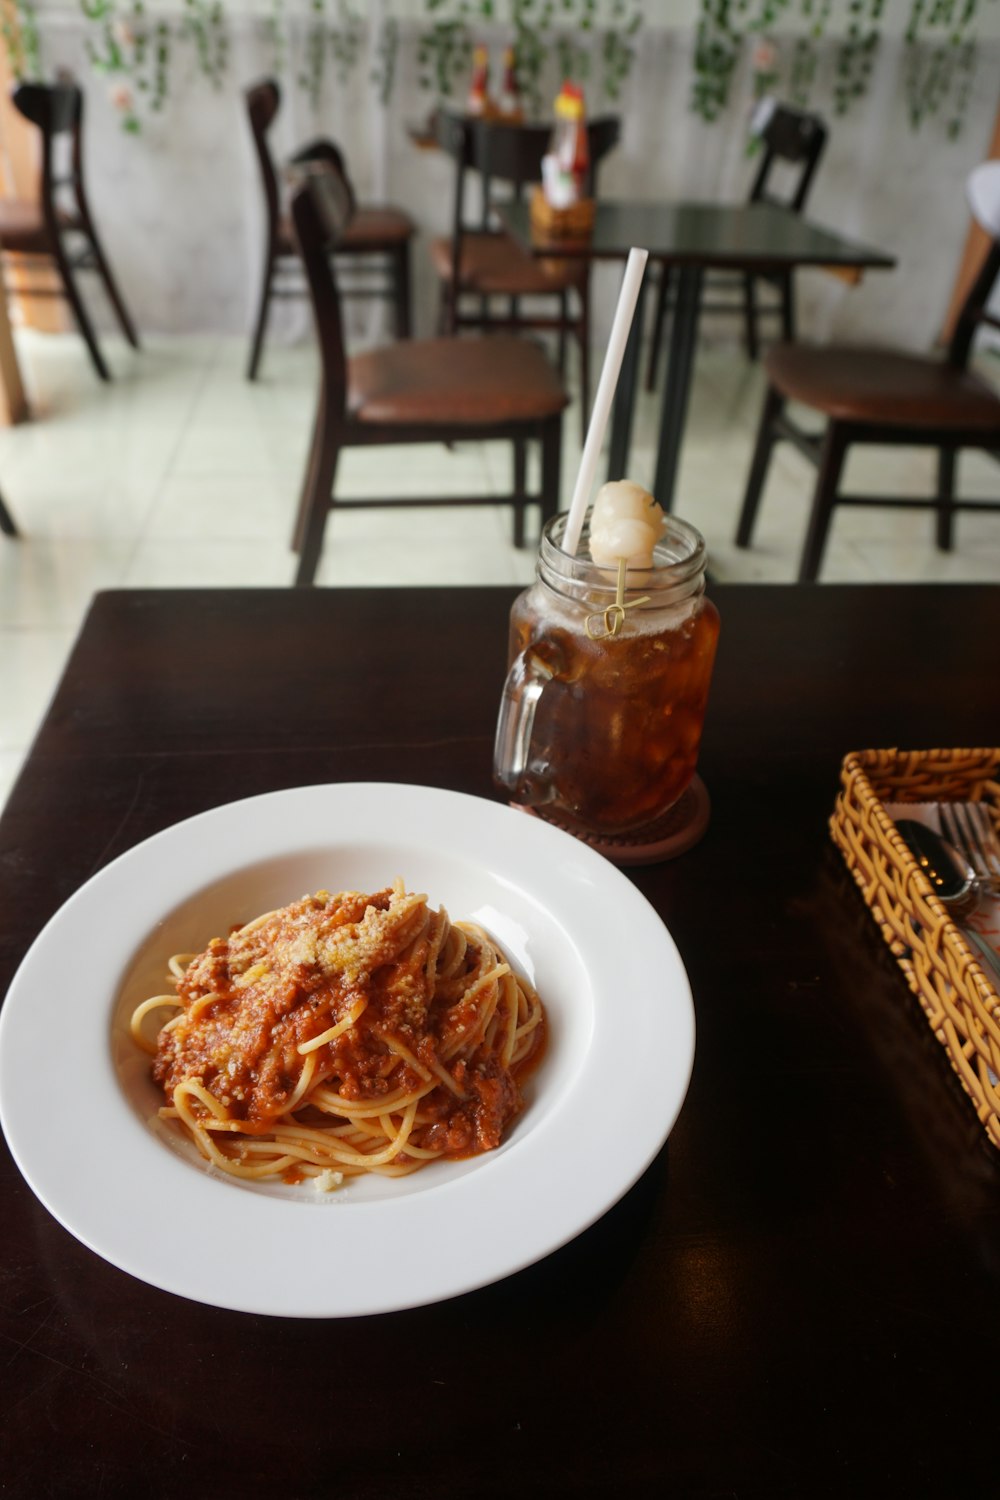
pixel 76 1100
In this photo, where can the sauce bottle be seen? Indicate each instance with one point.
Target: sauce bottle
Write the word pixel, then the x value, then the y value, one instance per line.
pixel 570 145
pixel 478 100
pixel 509 104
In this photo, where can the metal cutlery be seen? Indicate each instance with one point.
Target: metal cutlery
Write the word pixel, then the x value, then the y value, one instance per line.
pixel 954 882
pixel 968 826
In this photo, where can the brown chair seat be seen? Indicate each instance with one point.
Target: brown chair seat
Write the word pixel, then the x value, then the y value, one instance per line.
pixel 373 227
pixel 23 229
pixel 372 231
pixel 495 265
pixel 882 386
pixel 454 381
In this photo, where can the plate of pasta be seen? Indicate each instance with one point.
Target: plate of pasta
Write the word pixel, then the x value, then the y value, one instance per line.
pixel 349 1036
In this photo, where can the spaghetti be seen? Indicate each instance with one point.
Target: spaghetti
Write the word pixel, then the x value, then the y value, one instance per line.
pixel 344 1034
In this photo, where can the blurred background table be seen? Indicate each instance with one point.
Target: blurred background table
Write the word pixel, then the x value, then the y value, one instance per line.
pixel 693 238
pixel 796 1298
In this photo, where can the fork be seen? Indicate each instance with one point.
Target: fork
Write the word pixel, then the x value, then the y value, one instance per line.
pixel 969 827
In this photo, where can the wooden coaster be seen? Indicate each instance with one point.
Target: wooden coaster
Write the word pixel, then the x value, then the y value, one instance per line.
pixel 677 831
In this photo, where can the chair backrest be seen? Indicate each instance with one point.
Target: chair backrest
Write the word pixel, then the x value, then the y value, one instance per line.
pixel 263 101
pixel 321 208
pixel 790 136
pixel 324 150
pixel 503 152
pixel 57 110
pixel 983 193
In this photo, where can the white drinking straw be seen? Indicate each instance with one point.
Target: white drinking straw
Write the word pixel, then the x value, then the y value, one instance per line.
pixel 624 312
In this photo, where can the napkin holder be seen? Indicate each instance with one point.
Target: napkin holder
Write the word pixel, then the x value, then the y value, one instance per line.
pixel 575 222
pixel 959 1000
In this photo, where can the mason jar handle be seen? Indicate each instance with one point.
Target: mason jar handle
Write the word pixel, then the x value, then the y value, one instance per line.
pixel 521 694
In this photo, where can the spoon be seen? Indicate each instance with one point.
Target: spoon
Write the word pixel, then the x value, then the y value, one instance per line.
pixel 952 879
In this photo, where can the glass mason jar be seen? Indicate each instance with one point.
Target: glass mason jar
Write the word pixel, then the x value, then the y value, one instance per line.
pixel 602 711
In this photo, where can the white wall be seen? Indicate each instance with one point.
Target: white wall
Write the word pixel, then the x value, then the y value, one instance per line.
pixel 179 206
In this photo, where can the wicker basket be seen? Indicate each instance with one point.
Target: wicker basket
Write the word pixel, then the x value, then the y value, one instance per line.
pixel 959 1000
pixel 572 223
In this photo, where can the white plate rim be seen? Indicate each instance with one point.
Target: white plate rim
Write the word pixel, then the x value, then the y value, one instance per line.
pixel 138 1207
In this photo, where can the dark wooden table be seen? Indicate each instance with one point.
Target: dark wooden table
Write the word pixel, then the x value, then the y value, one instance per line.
pixel 693 238
pixel 801 1295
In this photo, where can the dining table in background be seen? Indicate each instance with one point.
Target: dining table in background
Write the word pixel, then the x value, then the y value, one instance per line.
pixel 799 1297
pixel 689 238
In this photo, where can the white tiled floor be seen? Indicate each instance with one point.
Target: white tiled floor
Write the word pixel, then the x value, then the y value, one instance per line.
pixel 181 473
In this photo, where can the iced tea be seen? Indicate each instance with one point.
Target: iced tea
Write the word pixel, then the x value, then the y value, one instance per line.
pixel 610 740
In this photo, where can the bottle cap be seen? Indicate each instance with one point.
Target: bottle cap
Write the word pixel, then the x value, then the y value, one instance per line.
pixel 569 102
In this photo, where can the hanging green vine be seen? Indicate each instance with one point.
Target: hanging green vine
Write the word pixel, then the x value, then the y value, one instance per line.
pixel 566 33
pixel 444 50
pixel 204 23
pixel 340 39
pixel 277 35
pixel 386 56
pixel 617 48
pixel 788 42
pixel 940 61
pixel 531 23
pixel 856 54
pixel 19 32
pixel 134 52
pixel 940 44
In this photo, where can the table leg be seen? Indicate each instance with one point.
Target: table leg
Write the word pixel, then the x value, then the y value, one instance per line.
pixel 677 386
pixel 12 396
pixel 624 408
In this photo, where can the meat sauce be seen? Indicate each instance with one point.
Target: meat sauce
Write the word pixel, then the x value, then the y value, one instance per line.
pixel 251 1000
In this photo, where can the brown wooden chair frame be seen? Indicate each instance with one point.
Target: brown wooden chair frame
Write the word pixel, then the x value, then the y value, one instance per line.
pixel 789 136
pixel 381 272
pixel 320 210
pixel 828 450
pixel 57 110
pixel 512 154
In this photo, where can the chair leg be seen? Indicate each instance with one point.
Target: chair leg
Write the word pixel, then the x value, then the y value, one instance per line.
pixel 831 463
pixel 79 311
pixel 563 323
pixel 7 525
pixel 257 343
pixel 401 288
pixel 305 495
pixel 520 456
pixel 317 498
pixel 111 287
pixel 448 310
pixel 947 464
pixel 788 307
pixel 759 464
pixel 551 477
pixel 442 313
pixel 659 318
pixel 750 318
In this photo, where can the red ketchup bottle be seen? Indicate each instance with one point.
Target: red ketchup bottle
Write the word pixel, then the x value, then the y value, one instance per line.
pixel 478 100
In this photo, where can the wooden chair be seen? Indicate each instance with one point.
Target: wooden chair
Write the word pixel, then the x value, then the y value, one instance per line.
pixel 797 140
pixel 881 396
pixel 475 261
pixel 376 241
pixel 39 228
pixel 414 391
